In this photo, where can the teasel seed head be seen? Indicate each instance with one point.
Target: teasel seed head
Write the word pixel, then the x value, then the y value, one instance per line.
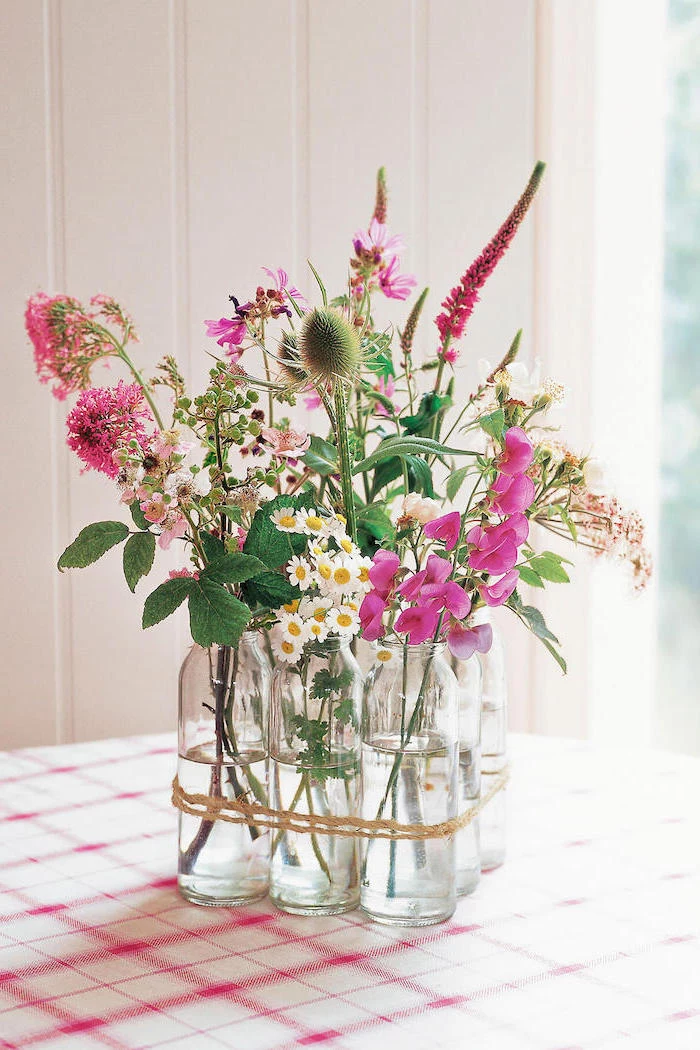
pixel 291 370
pixel 329 347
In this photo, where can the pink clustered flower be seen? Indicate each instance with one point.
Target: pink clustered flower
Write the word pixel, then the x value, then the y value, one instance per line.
pixel 103 420
pixel 376 263
pixel 614 532
pixel 67 339
pixel 185 574
pixel 459 305
pixel 286 443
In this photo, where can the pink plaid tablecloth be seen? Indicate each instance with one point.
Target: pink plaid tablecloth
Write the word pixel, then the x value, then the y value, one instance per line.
pixel 587 938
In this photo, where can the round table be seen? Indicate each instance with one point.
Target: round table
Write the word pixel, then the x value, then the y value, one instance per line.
pixel 586 938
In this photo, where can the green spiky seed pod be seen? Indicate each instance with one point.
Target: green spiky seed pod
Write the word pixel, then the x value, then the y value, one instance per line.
pixel 291 369
pixel 382 198
pixel 329 347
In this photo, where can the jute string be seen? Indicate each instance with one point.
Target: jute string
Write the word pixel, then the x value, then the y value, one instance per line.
pixel 238 811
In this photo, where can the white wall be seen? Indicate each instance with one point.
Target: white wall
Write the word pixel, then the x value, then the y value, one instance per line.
pixel 161 151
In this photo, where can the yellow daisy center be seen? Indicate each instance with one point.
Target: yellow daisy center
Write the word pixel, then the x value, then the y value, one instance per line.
pixel 300 572
pixel 352 606
pixel 324 570
pixel 315 628
pixel 342 519
pixel 383 655
pixel 292 606
pixel 342 575
pixel 287 647
pixel 346 545
pixel 314 523
pixel 320 615
pixel 344 620
pixel 287 521
pixel 363 574
pixel 294 629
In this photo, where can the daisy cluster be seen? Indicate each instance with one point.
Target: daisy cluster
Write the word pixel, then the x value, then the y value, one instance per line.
pixel 331 575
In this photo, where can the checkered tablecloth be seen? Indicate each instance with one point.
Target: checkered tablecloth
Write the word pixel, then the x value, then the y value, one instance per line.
pixel 587 938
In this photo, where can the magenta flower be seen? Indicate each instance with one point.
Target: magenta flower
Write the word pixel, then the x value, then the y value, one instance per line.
pixel 228 331
pixel 66 340
pixel 286 442
pixel 383 571
pixel 496 546
pixel 513 493
pixel 394 284
pixel 499 592
pixel 518 454
pixel 313 399
pixel 449 596
pixel 419 622
pixel 446 528
pixel 436 572
pixel 378 240
pixel 463 641
pixel 105 419
pixel 372 609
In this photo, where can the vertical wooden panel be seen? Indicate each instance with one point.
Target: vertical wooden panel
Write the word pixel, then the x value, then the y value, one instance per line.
pixel 117 147
pixel 480 153
pixel 29 711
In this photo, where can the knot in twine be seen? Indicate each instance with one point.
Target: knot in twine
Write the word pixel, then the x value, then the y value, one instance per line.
pixel 238 811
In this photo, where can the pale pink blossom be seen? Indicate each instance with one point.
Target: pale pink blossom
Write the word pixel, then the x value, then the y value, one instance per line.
pixel 281 281
pixel 377 238
pixel 174 528
pixel 154 507
pixel 421 508
pixel 394 284
pixel 287 443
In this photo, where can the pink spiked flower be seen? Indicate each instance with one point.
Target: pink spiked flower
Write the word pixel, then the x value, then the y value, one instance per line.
pixel 463 641
pixel 498 592
pixel 518 454
pixel 67 341
pixel 105 419
pixel 372 609
pixel 513 493
pixel 446 528
pixel 458 307
pixel 419 622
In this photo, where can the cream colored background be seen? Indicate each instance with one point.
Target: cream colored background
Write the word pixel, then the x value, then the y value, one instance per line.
pixel 161 150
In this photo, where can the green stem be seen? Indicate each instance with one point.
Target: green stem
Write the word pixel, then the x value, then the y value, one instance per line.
pixel 344 461
pixel 142 383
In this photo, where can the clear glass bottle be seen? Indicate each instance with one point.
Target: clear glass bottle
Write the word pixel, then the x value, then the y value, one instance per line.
pixel 222 748
pixel 315 768
pixel 494 757
pixel 409 774
pixel 467 841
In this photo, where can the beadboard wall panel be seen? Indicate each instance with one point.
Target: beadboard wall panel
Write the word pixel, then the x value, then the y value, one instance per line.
pixel 162 151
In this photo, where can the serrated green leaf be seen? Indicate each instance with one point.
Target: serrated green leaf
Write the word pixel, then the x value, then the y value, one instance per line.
pixel 139 518
pixel 139 552
pixel 494 424
pixel 213 548
pixel 264 539
pixel 233 514
pixel 321 456
pixel 455 482
pixel 269 589
pixel 233 568
pixel 550 568
pixel 164 600
pixel 216 617
pixel 527 575
pixel 90 544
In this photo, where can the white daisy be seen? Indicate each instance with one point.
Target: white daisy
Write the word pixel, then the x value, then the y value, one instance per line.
pixel 343 620
pixel 311 522
pixel 314 608
pixel 344 576
pixel 292 628
pixel 324 565
pixel 316 631
pixel 286 650
pixel 346 544
pixel 285 519
pixel 384 656
pixel 363 565
pixel 300 573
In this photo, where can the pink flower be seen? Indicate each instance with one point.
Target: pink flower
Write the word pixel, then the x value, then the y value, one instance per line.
pixel 387 388
pixel 513 493
pixel 451 355
pixel 448 596
pixel 396 285
pixel 67 341
pixel 313 400
pixel 419 622
pixel 436 572
pixel 372 609
pixel 174 527
pixel 228 331
pixel 154 508
pixel 383 571
pixel 378 238
pixel 105 418
pixel 446 528
pixel 499 592
pixel 518 454
pixel 281 280
pixel 463 641
pixel 496 546
pixel 286 442
pixel 185 574
pixel 241 536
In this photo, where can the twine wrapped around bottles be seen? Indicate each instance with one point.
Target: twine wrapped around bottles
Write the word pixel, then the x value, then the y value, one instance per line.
pixel 238 811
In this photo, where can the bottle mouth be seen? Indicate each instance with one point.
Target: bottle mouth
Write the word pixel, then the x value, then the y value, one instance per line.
pixel 397 649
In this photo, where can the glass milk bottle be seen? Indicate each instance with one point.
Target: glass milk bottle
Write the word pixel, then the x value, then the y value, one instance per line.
pixel 467 840
pixel 494 726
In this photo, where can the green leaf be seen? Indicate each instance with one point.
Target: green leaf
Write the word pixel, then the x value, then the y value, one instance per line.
pixel 139 552
pixel 138 516
pixel 233 568
pixel 494 424
pixel 164 600
pixel 216 617
pixel 345 712
pixel 325 683
pixel 405 446
pixel 430 405
pixel 213 548
pixel 380 363
pixel 319 282
pixel 264 539
pixel 455 482
pixel 321 456
pixel 420 476
pixel 375 520
pixel 527 575
pixel 557 655
pixel 90 544
pixel 233 514
pixel 269 589
pixel 550 568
